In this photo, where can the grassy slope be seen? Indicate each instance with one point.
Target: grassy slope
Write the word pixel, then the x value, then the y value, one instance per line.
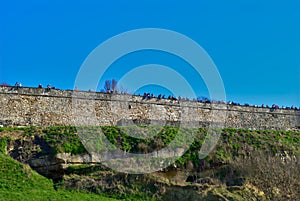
pixel 234 143
pixel 19 182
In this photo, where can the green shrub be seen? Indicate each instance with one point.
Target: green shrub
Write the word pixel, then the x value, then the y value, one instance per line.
pixel 3 144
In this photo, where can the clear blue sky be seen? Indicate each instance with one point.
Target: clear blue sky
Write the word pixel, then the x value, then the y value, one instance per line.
pixel 255 44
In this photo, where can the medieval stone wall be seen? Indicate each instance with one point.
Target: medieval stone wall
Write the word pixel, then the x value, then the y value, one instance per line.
pixel 39 107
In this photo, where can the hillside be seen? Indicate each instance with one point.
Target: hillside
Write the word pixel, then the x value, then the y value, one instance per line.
pixel 245 165
pixel 20 182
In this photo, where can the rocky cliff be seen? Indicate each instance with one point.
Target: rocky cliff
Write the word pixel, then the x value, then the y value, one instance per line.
pixel 245 165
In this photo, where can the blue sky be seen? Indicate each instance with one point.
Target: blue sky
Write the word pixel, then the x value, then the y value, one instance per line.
pixel 254 44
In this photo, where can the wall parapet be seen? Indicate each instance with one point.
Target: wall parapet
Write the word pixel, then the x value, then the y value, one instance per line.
pixel 39 106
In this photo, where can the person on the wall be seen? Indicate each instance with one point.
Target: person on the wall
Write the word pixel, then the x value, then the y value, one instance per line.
pixel 48 88
pixel 18 85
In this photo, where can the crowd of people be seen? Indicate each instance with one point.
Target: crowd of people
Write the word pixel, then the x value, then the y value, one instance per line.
pixel 40 86
pixel 18 85
pixel 148 96
pixel 172 98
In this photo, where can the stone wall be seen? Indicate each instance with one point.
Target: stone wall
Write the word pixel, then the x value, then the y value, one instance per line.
pixel 39 107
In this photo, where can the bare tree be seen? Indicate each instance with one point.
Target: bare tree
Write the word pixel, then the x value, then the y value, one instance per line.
pixel 278 179
pixel 114 86
pixel 122 90
pixel 4 84
pixel 107 86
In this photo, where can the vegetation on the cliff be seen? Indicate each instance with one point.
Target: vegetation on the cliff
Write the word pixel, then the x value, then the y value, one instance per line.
pixel 235 142
pixel 256 164
pixel 19 182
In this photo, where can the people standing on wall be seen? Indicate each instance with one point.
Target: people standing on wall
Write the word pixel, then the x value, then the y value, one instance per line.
pixel 18 85
pixel 158 97
pixel 48 88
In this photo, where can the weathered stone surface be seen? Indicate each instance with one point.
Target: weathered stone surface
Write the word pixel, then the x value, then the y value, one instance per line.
pixel 36 107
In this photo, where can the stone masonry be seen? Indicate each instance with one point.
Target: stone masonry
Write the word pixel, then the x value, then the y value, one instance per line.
pixel 39 107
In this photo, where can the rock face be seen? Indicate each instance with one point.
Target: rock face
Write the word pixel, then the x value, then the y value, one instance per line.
pixel 213 178
pixel 38 107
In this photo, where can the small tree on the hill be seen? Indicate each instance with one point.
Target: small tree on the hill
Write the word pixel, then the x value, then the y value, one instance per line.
pixel 107 86
pixel 114 86
pixel 4 84
pixel 110 86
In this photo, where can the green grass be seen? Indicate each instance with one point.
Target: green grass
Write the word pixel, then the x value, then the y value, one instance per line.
pixel 19 182
pixel 232 143
pixel 3 143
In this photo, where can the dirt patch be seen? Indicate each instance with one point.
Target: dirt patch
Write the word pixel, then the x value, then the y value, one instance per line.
pixel 13 134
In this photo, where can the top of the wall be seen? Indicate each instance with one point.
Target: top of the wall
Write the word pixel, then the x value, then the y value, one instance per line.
pixel 56 93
